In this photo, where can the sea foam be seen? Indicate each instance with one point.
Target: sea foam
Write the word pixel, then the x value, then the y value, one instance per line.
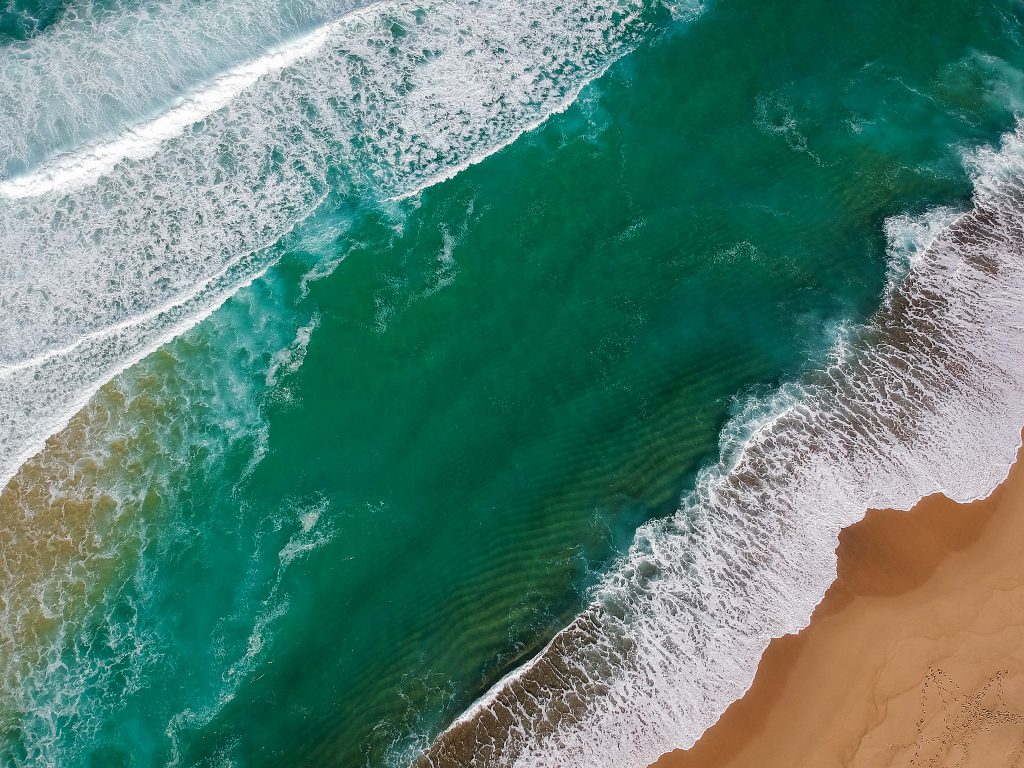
pixel 116 244
pixel 97 72
pixel 929 399
pixel 86 165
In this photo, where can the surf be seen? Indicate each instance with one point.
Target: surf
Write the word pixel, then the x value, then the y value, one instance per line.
pixel 926 398
pixel 115 247
pixel 85 166
pixel 675 630
pixel 95 76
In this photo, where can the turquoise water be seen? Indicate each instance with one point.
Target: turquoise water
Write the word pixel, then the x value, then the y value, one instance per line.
pixel 315 527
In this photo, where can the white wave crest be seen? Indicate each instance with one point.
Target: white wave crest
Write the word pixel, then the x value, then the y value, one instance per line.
pixel 94 74
pixel 931 400
pixel 153 235
pixel 86 165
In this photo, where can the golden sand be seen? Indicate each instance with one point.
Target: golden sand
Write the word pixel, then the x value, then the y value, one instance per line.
pixel 915 657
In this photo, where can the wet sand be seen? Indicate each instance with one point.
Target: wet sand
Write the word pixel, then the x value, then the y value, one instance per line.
pixel 915 657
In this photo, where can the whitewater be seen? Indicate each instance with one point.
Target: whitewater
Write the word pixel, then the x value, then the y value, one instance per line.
pixel 150 180
pixel 925 399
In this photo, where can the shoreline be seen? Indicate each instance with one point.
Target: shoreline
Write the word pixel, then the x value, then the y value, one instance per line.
pixel 915 655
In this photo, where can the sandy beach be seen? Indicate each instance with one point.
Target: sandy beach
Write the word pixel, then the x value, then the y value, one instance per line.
pixel 915 657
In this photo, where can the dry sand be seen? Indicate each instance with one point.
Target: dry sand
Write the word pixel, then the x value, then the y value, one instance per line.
pixel 915 657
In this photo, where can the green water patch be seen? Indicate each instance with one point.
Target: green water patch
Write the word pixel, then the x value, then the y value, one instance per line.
pixel 458 408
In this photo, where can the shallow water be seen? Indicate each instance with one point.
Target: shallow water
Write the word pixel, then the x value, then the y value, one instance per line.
pixel 316 526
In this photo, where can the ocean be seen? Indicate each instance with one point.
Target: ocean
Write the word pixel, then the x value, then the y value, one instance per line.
pixel 440 383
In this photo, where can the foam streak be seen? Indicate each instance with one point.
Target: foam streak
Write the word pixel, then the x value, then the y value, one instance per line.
pixel 86 166
pixel 123 243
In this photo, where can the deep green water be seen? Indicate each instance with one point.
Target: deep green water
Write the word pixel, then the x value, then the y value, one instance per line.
pixel 385 474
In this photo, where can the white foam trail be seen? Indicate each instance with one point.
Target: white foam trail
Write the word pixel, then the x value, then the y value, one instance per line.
pixel 453 171
pixel 85 80
pixel 85 166
pixel 932 400
pixel 120 247
pixel 288 360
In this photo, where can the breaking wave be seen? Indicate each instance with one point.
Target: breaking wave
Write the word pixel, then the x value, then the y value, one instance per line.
pixel 929 398
pixel 142 188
